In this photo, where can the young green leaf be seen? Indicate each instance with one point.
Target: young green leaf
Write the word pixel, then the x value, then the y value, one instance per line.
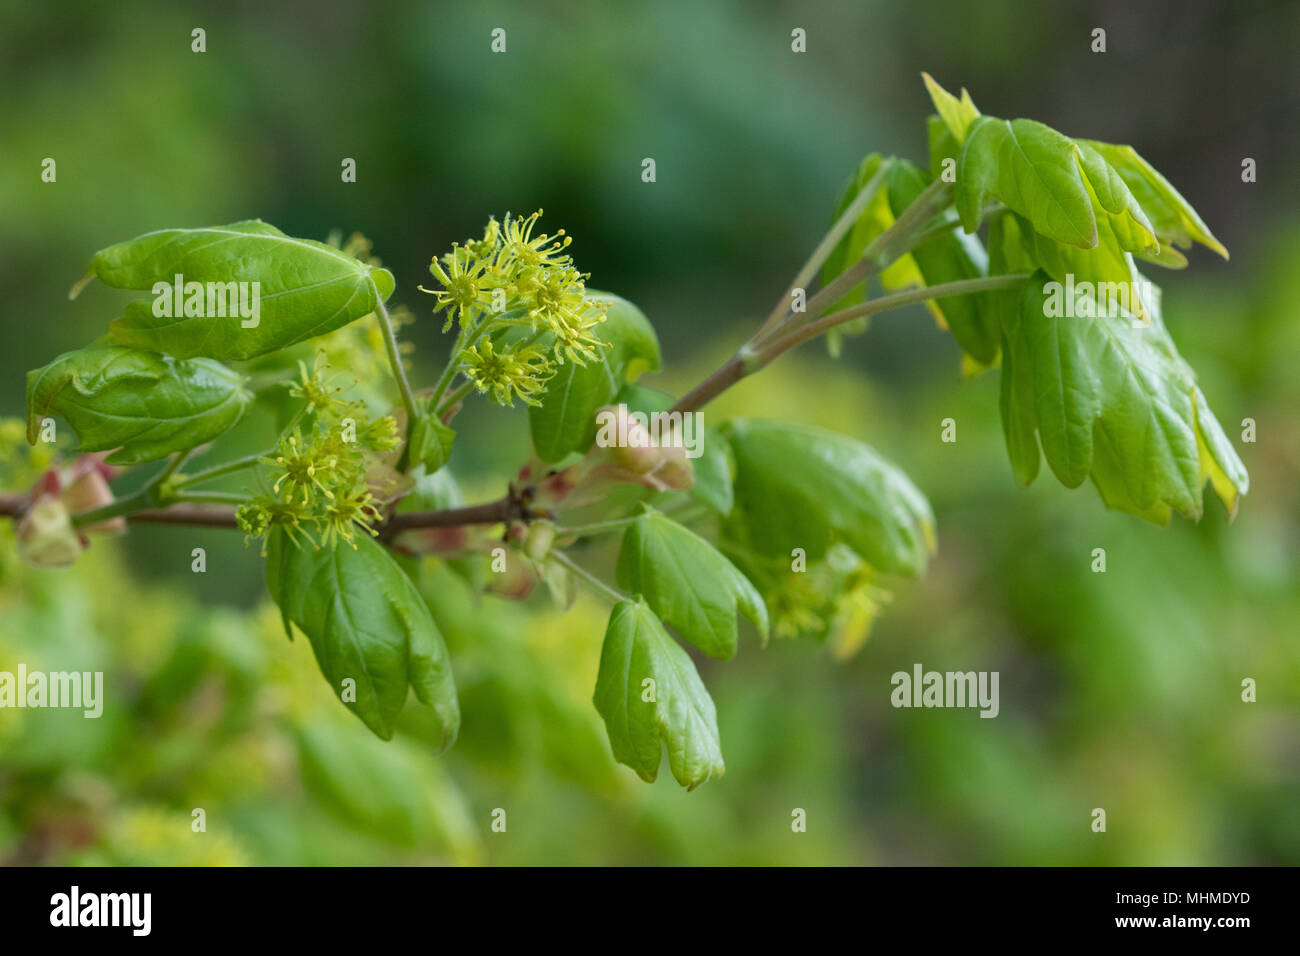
pixel 1063 187
pixel 566 420
pixel 1111 399
pixel 649 694
pixel 688 583
pixel 803 487
pixel 143 404
pixel 431 442
pixel 949 257
pixel 305 288
pixel 1173 218
pixel 367 624
pixel 958 114
pixel 875 219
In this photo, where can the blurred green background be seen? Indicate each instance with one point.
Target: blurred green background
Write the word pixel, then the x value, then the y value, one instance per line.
pixel 1118 690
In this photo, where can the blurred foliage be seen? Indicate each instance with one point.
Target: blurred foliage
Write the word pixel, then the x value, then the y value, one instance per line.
pixel 1119 690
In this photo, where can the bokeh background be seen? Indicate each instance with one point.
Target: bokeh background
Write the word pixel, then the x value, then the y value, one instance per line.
pixel 1118 690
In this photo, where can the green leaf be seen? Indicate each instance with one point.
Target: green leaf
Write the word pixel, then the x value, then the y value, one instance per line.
pixel 366 622
pixel 688 583
pixel 958 114
pixel 431 442
pixel 566 420
pixel 1066 189
pixel 1111 399
pixel 306 289
pixel 679 711
pixel 143 404
pixel 875 219
pixel 803 487
pixel 949 257
pixel 1032 169
pixel 943 146
pixel 1173 218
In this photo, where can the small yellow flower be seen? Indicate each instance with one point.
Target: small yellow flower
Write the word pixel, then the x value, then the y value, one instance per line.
pixel 347 511
pixel 465 288
pixel 520 372
pixel 522 250
pixel 303 467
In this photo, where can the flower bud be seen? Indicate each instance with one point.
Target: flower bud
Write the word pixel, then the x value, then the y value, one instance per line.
pixel 676 471
pixel 630 444
pixel 46 538
pixel 87 491
pixel 537 544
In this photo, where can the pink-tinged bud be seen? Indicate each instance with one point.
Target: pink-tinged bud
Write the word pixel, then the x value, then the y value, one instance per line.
pixel 48 484
pixel 638 458
pixel 629 441
pixel 558 484
pixel 87 491
pixel 516 582
pixel 676 472
pixel 46 538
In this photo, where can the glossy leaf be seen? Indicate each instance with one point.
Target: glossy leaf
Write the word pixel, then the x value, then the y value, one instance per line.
pixel 803 487
pixel 650 695
pixel 1062 187
pixel 1111 399
pixel 306 288
pixel 688 583
pixel 566 420
pixel 143 404
pixel 367 623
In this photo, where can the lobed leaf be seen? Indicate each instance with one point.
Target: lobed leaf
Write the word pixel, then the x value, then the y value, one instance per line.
pixel 680 714
pixel 142 404
pixel 1111 399
pixel 366 622
pixel 306 288
pixel 688 583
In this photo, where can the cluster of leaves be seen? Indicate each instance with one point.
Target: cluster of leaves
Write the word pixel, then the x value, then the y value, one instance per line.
pixel 797 529
pixel 1101 390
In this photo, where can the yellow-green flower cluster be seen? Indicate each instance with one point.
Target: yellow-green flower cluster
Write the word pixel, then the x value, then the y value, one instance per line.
pixel 519 372
pixel 317 475
pixel 516 275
